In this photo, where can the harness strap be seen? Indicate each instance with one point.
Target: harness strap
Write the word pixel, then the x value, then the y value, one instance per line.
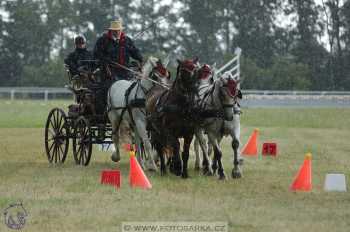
pixel 127 107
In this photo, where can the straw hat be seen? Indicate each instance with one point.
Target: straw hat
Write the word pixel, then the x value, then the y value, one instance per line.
pixel 116 26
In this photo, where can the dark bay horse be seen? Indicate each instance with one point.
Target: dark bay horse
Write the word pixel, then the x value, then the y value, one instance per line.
pixel 171 115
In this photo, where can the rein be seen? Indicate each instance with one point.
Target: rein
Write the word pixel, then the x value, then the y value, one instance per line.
pixel 138 75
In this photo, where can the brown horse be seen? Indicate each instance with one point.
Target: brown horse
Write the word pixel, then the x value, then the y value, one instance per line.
pixel 171 115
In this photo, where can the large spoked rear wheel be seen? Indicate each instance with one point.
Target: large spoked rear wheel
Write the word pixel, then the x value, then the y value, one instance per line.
pixel 82 142
pixel 56 136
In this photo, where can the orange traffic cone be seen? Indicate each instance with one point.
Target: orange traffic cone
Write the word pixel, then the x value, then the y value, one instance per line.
pixel 303 180
pixel 251 148
pixel 137 177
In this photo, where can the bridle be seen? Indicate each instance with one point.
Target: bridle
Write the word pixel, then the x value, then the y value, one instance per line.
pixel 222 106
pixel 191 69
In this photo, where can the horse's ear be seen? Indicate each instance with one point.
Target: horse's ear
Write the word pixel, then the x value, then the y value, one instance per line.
pixel 169 75
pixel 178 61
pixel 153 62
pixel 195 60
pixel 222 80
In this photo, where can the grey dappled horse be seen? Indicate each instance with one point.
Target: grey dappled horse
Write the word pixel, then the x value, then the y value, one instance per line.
pixel 220 112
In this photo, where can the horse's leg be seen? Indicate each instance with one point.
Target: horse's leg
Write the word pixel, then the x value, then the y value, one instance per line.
pixel 159 149
pixel 175 164
pixel 236 172
pixel 142 132
pixel 186 153
pixel 197 162
pixel 139 148
pixel 206 161
pixel 214 163
pixel 217 155
pixel 114 118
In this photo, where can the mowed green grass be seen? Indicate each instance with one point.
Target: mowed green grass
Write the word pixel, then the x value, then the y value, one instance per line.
pixel 69 198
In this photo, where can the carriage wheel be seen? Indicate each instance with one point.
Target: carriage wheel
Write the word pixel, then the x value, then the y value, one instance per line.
pixel 56 136
pixel 82 143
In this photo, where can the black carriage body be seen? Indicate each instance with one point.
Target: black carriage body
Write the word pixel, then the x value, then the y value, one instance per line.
pixel 86 123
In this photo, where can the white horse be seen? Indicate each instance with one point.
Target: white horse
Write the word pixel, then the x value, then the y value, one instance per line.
pixel 126 102
pixel 220 110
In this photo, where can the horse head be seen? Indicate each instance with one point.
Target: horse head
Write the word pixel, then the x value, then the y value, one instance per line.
pixel 160 73
pixel 155 70
pixel 204 74
pixel 228 92
pixel 186 78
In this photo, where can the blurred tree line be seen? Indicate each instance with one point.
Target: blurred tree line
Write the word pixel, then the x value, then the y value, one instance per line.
pixel 287 44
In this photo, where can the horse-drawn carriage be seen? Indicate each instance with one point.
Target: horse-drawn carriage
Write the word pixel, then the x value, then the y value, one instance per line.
pixel 85 124
pixel 182 109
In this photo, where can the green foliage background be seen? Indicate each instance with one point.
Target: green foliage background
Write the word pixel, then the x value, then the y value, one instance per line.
pixel 36 35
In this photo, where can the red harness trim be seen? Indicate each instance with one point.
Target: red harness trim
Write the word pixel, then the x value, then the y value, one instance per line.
pixel 204 72
pixel 232 87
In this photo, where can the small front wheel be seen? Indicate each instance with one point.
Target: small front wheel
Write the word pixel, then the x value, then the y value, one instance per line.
pixel 82 141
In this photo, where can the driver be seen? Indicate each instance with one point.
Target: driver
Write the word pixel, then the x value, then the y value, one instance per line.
pixel 116 47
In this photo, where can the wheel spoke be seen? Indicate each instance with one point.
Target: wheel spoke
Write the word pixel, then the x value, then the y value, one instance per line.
pixel 58 154
pixel 50 153
pixel 62 152
pixel 50 148
pixel 86 154
pixel 63 128
pixel 52 125
pixel 51 132
pixel 82 155
pixel 54 119
pixel 83 130
pixel 50 139
pixel 55 152
pixel 79 157
pixel 79 149
pixel 57 116
pixel 60 123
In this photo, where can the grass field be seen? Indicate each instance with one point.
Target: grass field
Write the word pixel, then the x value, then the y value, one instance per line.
pixel 70 198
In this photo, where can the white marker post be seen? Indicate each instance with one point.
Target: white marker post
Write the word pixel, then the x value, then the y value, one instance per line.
pixel 335 183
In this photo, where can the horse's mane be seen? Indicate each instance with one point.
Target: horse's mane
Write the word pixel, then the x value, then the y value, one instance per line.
pixel 149 65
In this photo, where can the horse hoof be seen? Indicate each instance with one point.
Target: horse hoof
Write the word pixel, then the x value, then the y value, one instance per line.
pixel 236 174
pixel 152 169
pixel 207 172
pixel 222 177
pixel 176 173
pixel 184 175
pixel 115 157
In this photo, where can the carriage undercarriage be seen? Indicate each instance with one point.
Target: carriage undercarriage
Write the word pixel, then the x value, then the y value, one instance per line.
pixel 83 131
pixel 85 124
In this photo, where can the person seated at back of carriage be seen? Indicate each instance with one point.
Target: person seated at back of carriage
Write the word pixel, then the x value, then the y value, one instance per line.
pixel 116 47
pixel 75 60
